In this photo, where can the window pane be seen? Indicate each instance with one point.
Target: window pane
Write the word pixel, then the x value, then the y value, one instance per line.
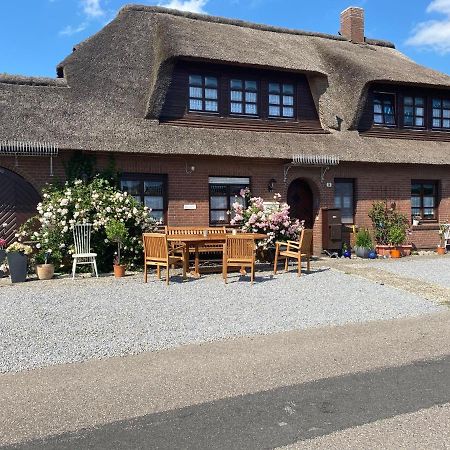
pixel 153 188
pixel 420 112
pixel 274 99
pixel 222 182
pixel 218 189
pixel 274 111
pixel 415 211
pixel 428 189
pixel 428 202
pixel 437 123
pixel 388 108
pixel 251 85
pixel 288 100
pixel 211 106
pixel 195 105
pixel 236 108
pixel 419 101
pixel 338 202
pixel 419 122
pixel 219 202
pixel 416 189
pixel 288 88
pixel 154 202
pixel 250 108
pixel 274 88
pixel 446 104
pixel 446 113
pixel 446 123
pixel 195 80
pixel 250 97
pixel 236 84
pixel 288 111
pixel 436 113
pixel 408 120
pixel 408 110
pixel 211 93
pixel 211 82
pixel 157 215
pixel 236 96
pixel 409 101
pixel 428 213
pixel 219 217
pixel 377 108
pixel 389 119
pixel 195 92
pixel 415 202
pixel 131 186
pixel 378 118
pixel 437 103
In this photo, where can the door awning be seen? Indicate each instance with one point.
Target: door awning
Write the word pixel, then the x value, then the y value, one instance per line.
pixel 29 148
pixel 322 161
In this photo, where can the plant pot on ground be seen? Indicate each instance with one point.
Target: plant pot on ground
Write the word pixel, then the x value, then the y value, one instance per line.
pixel 17 255
pixel 363 243
pixel 45 271
pixel 441 250
pixel 117 232
pixel 397 236
pixel 44 268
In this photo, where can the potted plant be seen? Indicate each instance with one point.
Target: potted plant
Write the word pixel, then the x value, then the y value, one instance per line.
pixel 397 236
pixel 346 252
pixel 441 248
pixel 17 254
pixel 44 269
pixel 117 232
pixel 363 244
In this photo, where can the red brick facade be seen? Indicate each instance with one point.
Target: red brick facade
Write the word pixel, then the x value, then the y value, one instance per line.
pixel 372 182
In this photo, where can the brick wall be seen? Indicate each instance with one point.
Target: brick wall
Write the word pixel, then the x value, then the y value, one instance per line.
pixel 373 182
pixel 352 24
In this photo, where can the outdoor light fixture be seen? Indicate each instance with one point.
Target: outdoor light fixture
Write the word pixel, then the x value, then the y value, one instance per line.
pixel 271 184
pixel 189 169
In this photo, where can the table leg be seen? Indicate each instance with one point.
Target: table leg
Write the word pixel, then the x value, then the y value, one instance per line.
pixel 197 269
pixel 186 258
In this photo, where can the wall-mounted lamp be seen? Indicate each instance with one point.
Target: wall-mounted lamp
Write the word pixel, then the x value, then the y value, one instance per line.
pixel 271 184
pixel 190 169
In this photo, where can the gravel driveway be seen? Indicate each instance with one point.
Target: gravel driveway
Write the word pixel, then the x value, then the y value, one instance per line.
pixel 58 321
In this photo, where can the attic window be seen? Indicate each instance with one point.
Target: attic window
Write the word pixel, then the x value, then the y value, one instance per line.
pixel 384 109
pixel 203 94
pixel 413 111
pixel 441 113
pixel 281 100
pixel 244 97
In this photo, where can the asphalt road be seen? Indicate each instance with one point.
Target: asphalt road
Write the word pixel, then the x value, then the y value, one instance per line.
pixel 343 387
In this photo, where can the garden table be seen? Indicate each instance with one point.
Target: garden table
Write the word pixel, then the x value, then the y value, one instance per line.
pixel 195 240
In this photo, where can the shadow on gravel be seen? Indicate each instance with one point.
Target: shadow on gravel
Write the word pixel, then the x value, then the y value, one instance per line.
pixel 274 418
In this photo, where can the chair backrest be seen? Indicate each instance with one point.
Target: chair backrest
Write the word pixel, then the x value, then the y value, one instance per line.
pixel 197 230
pixel 239 247
pixel 82 237
pixel 447 231
pixel 155 246
pixel 306 239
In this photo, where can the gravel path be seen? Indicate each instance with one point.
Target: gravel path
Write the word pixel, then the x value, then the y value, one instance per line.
pixel 58 321
pixel 433 270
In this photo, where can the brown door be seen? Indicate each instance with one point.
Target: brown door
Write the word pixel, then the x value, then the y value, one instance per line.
pixel 300 199
pixel 18 201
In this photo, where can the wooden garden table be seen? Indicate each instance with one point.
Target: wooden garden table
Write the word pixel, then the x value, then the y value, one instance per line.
pixel 195 240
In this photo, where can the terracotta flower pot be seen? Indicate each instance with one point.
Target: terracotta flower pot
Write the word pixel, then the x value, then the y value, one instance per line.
pixel 119 271
pixel 45 271
pixel 395 253
pixel 441 250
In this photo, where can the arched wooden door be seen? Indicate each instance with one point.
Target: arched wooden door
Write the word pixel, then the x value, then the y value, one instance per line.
pixel 300 199
pixel 18 201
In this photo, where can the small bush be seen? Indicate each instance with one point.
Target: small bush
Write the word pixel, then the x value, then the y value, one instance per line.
pixel 364 239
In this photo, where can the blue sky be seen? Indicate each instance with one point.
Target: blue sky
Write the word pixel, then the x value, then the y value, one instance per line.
pixel 36 34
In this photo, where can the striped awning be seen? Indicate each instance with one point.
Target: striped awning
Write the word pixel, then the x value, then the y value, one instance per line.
pixel 28 148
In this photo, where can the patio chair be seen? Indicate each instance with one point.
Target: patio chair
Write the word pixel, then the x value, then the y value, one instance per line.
pixel 239 251
pixel 295 250
pixel 158 253
pixel 82 242
pixel 447 235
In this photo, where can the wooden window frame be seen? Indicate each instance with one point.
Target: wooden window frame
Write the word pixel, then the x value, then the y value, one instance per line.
pixel 353 182
pixel 281 83
pixel 142 177
pixel 442 109
pixel 414 116
pixel 229 186
pixel 243 90
pixel 203 99
pixel 436 184
pixel 395 105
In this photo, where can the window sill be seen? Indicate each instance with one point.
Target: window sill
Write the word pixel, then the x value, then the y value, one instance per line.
pixel 426 226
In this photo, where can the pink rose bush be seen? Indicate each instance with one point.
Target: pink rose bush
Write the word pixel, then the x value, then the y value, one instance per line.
pixel 271 218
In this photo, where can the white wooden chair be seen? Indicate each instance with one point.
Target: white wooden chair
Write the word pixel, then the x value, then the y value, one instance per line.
pixel 83 254
pixel 447 235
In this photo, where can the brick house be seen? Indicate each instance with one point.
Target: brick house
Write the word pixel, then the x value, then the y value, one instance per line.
pixel 194 107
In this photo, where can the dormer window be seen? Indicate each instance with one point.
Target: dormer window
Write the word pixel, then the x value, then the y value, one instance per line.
pixel 413 111
pixel 281 100
pixel 203 94
pixel 441 113
pixel 384 109
pixel 244 97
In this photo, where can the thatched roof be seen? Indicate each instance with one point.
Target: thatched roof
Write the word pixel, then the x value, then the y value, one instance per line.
pixel 115 82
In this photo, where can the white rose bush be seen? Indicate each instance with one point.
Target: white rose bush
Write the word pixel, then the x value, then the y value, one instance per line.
pixel 96 202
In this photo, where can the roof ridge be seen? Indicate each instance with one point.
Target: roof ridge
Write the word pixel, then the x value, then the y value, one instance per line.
pixel 244 24
pixel 6 78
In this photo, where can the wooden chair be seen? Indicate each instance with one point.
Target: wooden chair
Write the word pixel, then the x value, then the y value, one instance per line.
pixel 239 251
pixel 295 250
pixel 207 247
pixel 82 244
pixel 157 253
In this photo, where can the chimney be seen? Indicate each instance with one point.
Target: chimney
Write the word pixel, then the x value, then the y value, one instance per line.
pixel 352 24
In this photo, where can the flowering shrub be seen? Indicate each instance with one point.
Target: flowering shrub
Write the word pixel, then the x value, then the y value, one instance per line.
pixel 96 202
pixel 19 247
pixel 270 218
pixel 2 243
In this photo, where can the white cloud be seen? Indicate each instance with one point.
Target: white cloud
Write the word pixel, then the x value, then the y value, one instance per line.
pixel 195 6
pixel 70 30
pixel 433 34
pixel 92 8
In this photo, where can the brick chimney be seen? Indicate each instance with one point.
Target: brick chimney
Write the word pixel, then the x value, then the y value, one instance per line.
pixel 352 24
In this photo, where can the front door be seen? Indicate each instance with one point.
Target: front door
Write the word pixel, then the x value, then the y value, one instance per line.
pixel 300 199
